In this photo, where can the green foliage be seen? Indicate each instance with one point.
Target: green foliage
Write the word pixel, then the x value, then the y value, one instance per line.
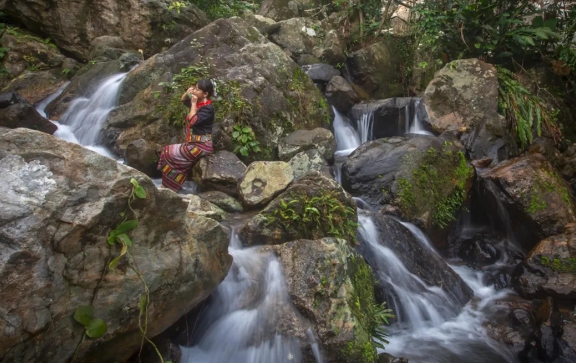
pixel 559 265
pixel 243 137
pixel 381 317
pixel 436 183
pixel 176 6
pixel 316 217
pixel 23 35
pixel 172 110
pixel 525 113
pixel 94 327
pixel 216 9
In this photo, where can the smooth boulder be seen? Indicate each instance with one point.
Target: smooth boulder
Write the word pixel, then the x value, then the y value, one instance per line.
pixel 263 181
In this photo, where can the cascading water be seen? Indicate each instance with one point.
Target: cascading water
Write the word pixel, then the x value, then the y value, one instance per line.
pixel 41 106
pixel 242 322
pixel 347 139
pixel 431 327
pixel 412 120
pixel 82 122
pixel 365 125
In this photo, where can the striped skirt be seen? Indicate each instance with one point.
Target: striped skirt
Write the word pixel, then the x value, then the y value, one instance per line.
pixel 177 160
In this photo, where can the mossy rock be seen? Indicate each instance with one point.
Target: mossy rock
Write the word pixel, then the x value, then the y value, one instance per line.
pixel 333 287
pixel 312 207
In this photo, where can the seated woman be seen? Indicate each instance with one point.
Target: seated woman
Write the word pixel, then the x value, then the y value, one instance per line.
pixel 177 160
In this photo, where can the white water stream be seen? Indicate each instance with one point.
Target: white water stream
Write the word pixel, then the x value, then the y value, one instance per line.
pixel 242 322
pixel 431 326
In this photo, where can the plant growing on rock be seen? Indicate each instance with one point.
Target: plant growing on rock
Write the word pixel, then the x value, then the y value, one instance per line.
pixel 559 265
pixel 245 141
pixel 437 183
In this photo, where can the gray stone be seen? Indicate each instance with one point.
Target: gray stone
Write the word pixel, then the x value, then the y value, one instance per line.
pixel 341 95
pixel 306 161
pixel 264 180
pixel 320 72
pixel 59 202
pixel 303 140
pixel 223 201
pixel 220 171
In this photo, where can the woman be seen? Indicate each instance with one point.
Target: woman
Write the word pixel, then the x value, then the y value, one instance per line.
pixel 177 160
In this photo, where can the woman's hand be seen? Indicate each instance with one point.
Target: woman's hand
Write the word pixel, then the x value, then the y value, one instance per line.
pixel 193 98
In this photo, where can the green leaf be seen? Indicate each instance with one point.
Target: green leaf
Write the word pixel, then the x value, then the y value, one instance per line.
pixel 112 237
pixel 96 328
pixel 84 314
pixel 140 192
pixel 134 182
pixel 244 138
pixel 126 226
pixel 114 262
pixel 125 239
pixel 244 151
pixel 256 149
pixel 246 129
pixel 235 134
pixel 237 127
pixel 477 45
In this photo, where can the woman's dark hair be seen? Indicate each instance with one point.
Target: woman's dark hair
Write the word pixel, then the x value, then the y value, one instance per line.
pixel 206 86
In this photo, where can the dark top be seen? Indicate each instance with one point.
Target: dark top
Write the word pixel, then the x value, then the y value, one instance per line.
pixel 203 120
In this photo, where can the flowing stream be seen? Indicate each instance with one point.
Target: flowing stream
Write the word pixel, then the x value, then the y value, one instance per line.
pixel 242 321
pixel 82 122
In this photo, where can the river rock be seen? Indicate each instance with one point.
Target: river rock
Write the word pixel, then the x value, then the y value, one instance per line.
pixel 223 201
pixel 392 116
pixel 60 201
pixel 263 181
pixel 275 95
pixel 303 140
pixel 532 196
pixel 333 287
pixel 550 268
pixel 463 97
pixel 279 9
pixel 306 161
pixel 341 95
pixel 427 180
pixel 419 259
pixel 321 72
pixel 74 25
pixel 377 70
pixel 313 207
pixel 143 156
pixel 220 171
pixel 17 112
pixel 200 207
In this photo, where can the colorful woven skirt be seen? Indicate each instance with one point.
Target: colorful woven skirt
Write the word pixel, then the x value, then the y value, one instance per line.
pixel 177 160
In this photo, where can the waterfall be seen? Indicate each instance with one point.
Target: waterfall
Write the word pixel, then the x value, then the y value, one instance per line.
pixel 242 322
pixel 431 327
pixel 41 105
pixel 365 125
pixel 412 120
pixel 82 122
pixel 347 139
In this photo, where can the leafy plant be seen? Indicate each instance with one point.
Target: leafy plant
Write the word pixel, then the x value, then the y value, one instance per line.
pixel 559 265
pixel 245 141
pixel 94 327
pixel 216 9
pixel 176 5
pixel 381 318
pixel 525 113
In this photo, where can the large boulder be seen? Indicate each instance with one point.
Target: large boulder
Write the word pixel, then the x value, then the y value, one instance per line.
pixel 340 94
pixel 34 86
pixel 463 97
pixel 337 297
pixel 307 161
pixel 263 181
pixel 73 25
pixel 220 171
pixel 17 112
pixel 393 116
pixel 279 9
pixel 427 179
pixel 143 156
pixel 532 199
pixel 416 257
pixel 377 70
pixel 550 268
pixel 313 207
pixel 60 201
pixel 258 86
pixel 303 140
pixel 308 41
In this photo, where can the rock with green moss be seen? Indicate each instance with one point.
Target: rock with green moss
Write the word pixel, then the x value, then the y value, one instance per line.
pixel 427 178
pixel 333 287
pixel 377 70
pixel 313 207
pixel 550 268
pixel 533 197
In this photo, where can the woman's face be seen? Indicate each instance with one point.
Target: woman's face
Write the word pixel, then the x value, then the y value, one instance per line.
pixel 198 92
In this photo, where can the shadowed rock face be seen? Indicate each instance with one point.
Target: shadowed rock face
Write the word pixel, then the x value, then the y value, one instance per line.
pixel 17 112
pixel 530 196
pixel 59 201
pixel 73 25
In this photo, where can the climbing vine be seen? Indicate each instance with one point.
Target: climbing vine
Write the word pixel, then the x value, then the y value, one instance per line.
pixel 84 314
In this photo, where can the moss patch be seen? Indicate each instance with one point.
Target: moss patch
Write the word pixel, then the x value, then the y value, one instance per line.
pixel 559 265
pixel 542 186
pixel 436 183
pixel 315 217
